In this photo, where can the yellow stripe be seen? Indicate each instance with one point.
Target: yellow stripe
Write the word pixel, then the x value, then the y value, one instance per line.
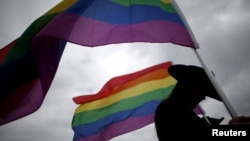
pixel 131 92
pixel 166 1
pixel 60 7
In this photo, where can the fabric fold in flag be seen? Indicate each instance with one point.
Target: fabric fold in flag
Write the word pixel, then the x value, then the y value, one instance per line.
pixel 124 104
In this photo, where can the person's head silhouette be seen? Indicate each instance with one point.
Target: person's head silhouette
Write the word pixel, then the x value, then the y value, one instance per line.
pixel 195 78
pixel 175 114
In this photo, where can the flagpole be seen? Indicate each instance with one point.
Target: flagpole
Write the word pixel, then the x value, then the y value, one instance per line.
pixel 216 86
pixel 211 77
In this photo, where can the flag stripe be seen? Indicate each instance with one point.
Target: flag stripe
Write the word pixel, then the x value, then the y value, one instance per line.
pixel 126 104
pixel 15 102
pixel 140 89
pixel 62 6
pixel 5 51
pixel 114 130
pixel 90 129
pixel 163 4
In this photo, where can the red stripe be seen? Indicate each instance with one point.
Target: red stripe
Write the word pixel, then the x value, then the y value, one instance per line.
pixel 5 51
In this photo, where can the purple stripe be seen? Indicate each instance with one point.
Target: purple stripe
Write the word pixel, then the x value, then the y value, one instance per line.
pixel 90 32
pixel 121 128
pixel 22 102
pixel 47 53
pixel 198 110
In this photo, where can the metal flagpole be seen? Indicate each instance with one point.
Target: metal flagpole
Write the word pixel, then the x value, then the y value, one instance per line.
pixel 211 77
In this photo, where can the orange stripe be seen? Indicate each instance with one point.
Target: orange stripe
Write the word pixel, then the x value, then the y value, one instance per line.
pixel 155 75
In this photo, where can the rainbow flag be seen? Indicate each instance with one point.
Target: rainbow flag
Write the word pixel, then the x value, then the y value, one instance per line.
pixel 22 88
pixel 124 104
pixel 28 64
pixel 100 22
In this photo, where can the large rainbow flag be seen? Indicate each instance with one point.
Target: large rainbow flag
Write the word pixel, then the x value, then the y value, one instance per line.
pixel 28 64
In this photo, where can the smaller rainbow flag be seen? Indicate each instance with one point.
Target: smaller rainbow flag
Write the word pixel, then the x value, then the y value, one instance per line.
pixel 124 104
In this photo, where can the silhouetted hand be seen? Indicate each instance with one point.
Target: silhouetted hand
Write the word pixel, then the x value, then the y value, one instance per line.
pixel 240 120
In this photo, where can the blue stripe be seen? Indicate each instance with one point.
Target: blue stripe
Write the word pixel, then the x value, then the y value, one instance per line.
pixel 90 129
pixel 113 13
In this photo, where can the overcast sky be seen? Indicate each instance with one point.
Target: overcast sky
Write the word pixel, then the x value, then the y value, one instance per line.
pixel 221 28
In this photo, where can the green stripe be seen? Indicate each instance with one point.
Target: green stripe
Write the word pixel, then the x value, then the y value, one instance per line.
pixel 166 7
pixel 126 104
pixel 22 46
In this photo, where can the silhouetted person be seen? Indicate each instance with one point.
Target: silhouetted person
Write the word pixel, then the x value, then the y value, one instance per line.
pixel 175 116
